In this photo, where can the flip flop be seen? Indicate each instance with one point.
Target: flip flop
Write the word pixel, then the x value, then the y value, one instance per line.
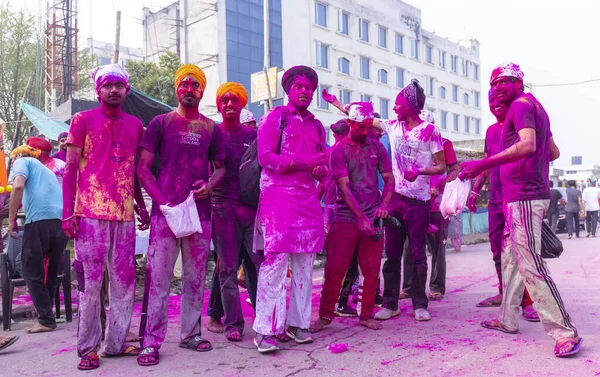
pixel 435 296
pixel 234 335
pixel 573 351
pixel 403 295
pixel 193 343
pixel 495 325
pixel 127 350
pixel 488 303
pixel 531 315
pixel 89 362
pixel 9 343
pixel 148 352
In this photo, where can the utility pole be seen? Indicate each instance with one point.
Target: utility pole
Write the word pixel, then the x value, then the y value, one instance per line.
pixel 117 39
pixel 267 45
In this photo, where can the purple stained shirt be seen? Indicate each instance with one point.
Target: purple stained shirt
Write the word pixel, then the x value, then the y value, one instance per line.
pixel 527 178
pixel 493 146
pixel 360 163
pixel 235 144
pixel 184 148
pixel 329 183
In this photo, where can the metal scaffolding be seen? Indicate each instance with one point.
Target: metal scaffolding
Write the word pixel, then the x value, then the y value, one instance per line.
pixel 61 52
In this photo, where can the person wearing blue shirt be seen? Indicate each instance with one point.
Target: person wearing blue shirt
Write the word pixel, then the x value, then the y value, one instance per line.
pixel 37 188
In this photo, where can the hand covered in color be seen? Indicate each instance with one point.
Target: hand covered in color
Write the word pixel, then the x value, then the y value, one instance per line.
pixel 411 174
pixel 365 227
pixel 471 202
pixel 143 218
pixel 315 160
pixel 381 213
pixel 320 172
pixel 71 227
pixel 203 191
pixel 469 170
pixel 330 98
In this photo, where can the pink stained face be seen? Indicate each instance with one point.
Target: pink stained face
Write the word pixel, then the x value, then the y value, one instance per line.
pixel 506 89
pixel 359 131
pixel 62 143
pixel 189 92
pixel 301 93
pixel 403 109
pixel 498 109
pixel 230 106
pixel 113 93
pixel 339 137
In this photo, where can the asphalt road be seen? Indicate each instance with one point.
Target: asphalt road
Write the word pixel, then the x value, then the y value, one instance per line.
pixel 452 344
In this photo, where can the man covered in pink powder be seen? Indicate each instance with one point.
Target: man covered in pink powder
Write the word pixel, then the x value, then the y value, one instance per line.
pixel 98 191
pixel 493 146
pixel 62 147
pixel 291 143
pixel 527 149
pixel 354 163
pixel 185 142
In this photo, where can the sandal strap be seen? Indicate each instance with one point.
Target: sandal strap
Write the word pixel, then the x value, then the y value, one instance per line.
pixel 149 351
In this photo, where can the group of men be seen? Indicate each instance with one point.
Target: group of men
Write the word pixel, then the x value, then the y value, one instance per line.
pixel 183 153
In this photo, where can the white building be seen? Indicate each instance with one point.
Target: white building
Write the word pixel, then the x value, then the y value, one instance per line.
pixel 104 52
pixel 579 173
pixel 361 49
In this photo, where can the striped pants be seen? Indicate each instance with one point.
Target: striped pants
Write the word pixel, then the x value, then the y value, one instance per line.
pixel 522 266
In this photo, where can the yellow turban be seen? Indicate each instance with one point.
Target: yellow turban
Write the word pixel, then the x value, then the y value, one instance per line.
pixel 26 150
pixel 234 88
pixel 190 70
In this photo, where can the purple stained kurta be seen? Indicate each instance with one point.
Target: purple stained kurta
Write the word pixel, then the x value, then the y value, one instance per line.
pixel 289 210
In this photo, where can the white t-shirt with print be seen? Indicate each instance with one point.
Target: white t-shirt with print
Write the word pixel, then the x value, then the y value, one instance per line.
pixel 590 197
pixel 412 148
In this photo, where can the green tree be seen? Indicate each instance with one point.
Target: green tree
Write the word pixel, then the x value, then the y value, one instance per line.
pixel 156 80
pixel 86 61
pixel 18 53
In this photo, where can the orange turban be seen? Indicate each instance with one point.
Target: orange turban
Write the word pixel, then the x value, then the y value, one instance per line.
pixel 190 70
pixel 234 88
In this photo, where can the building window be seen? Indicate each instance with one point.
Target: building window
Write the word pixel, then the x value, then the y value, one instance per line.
pixel 430 86
pixel 467 124
pixel 364 68
pixel 477 126
pixel 322 55
pixel 455 125
pixel 344 66
pixel 414 48
pixel 429 54
pixel 476 99
pixel 465 68
pixel 321 14
pixel 363 30
pixel 571 171
pixel 465 99
pixel 444 120
pixel 321 103
pixel 345 96
pixel 104 60
pixel 442 59
pixel 455 93
pixel 344 23
pixel 399 77
pixel 399 44
pixel 442 92
pixel 382 37
pixel 365 98
pixel 382 76
pixel 476 71
pixel 384 105
pixel 454 63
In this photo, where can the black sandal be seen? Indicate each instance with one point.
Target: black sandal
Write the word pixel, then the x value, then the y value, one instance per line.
pixel 193 343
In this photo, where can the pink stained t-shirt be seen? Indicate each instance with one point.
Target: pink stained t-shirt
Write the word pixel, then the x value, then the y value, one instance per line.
pixel 105 185
pixel 412 149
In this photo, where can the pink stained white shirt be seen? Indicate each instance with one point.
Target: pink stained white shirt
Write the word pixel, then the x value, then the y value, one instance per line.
pixel 107 167
pixel 412 149
pixel 289 210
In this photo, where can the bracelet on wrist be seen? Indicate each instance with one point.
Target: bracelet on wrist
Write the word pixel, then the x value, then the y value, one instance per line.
pixel 68 218
pixel 476 193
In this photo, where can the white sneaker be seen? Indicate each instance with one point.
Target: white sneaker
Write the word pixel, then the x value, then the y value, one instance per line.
pixel 385 313
pixel 422 315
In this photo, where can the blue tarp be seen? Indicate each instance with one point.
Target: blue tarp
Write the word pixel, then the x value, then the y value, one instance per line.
pixel 47 126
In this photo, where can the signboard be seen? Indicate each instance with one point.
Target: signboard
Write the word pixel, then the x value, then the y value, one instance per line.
pixel 259 90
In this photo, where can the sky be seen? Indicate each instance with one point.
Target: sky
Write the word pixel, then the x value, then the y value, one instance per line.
pixel 550 40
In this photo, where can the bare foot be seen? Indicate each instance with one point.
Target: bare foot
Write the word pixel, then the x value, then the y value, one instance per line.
pixel 319 325
pixel 37 328
pixel 565 345
pixel 371 324
pixel 132 338
pixel 215 325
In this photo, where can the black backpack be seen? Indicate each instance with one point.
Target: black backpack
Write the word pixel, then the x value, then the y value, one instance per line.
pixel 250 168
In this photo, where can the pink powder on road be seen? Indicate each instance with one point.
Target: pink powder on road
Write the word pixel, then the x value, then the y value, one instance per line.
pixel 338 347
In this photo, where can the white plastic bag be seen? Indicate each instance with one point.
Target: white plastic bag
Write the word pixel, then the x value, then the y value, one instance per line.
pixel 455 197
pixel 183 219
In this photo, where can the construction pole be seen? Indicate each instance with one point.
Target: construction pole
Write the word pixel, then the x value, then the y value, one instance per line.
pixel 117 39
pixel 17 134
pixel 267 46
